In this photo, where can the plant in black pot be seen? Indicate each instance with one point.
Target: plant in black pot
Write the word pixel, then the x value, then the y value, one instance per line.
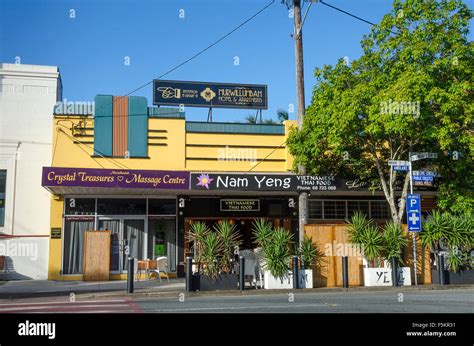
pixel 216 256
pixel 308 254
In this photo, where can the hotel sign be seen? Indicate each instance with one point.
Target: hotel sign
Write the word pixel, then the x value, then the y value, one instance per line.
pixel 240 205
pixel 215 95
pixel 114 178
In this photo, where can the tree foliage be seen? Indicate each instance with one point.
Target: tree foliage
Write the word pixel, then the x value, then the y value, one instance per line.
pixel 410 91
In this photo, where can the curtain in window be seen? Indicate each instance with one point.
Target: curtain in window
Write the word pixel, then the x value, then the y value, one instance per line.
pixel 114 226
pixel 74 245
pixel 134 235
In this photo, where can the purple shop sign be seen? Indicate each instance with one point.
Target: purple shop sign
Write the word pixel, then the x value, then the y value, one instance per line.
pixel 115 178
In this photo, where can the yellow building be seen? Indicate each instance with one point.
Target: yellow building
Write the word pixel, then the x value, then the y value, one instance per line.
pixel 145 174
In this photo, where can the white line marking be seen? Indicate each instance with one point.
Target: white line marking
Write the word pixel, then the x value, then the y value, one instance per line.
pixel 24 308
pixel 76 302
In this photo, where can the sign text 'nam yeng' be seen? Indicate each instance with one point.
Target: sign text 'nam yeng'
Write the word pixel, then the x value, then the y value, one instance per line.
pixel 86 177
pixel 212 95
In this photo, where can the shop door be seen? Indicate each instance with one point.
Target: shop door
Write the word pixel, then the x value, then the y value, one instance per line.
pixel 127 240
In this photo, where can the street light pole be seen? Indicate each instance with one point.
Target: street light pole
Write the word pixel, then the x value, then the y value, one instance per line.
pixel 298 36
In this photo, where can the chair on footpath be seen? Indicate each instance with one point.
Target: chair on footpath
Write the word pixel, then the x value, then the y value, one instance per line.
pixel 140 267
pixel 160 265
pixel 259 265
pixel 250 265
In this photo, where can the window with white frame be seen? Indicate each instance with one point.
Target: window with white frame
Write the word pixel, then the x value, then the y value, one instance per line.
pixel 330 209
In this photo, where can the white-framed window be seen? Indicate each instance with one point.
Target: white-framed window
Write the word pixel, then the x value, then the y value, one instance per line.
pixel 338 209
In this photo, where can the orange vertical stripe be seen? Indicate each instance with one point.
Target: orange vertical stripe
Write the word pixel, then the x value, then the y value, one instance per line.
pixel 120 126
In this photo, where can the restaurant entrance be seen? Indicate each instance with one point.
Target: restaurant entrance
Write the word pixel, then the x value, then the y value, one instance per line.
pixel 239 211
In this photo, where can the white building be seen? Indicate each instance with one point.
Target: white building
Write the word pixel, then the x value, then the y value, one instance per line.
pixel 28 94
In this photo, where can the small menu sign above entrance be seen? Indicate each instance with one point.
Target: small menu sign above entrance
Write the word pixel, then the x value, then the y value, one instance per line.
pixel 240 205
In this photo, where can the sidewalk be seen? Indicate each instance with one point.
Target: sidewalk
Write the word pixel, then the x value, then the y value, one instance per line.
pixel 45 288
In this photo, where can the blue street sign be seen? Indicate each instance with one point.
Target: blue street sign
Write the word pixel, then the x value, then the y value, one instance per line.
pixel 401 168
pixel 422 178
pixel 426 173
pixel 414 213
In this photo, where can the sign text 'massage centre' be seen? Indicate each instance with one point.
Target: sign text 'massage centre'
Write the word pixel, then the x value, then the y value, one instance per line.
pixel 212 95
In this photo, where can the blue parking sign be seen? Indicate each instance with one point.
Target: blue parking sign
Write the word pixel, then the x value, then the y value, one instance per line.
pixel 414 213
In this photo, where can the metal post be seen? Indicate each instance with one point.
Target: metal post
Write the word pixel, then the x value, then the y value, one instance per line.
pixel 242 273
pixel 345 271
pixel 131 268
pixel 441 269
pixel 394 271
pixel 413 234
pixel 295 272
pixel 189 273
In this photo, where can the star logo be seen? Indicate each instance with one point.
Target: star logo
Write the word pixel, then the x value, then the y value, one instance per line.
pixel 204 181
pixel 207 94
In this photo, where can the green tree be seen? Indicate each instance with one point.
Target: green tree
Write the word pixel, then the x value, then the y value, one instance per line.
pixel 410 91
pixel 282 115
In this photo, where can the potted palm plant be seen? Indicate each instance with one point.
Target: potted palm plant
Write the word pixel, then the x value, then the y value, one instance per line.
pixel 378 244
pixel 214 254
pixel 452 236
pixel 276 257
pixel 308 254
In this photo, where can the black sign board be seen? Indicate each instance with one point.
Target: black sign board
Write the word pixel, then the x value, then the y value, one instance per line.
pixel 55 233
pixel 240 205
pixel 272 182
pixel 215 95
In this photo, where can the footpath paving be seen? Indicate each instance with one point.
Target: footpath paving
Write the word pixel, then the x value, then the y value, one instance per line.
pixel 82 306
pixel 166 289
pixel 20 289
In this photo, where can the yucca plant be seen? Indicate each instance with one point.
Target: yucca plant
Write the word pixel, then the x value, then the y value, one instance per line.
pixel 356 227
pixel 262 231
pixel 211 252
pixel 307 253
pixel 197 233
pixel 434 229
pixel 364 232
pixel 372 242
pixel 277 254
pixel 394 241
pixel 454 233
pixel 229 239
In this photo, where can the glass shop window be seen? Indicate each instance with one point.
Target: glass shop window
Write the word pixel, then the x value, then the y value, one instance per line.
pixel 162 206
pixel 80 206
pixel 121 206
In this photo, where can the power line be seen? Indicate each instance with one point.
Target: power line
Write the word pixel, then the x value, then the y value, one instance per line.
pixel 349 14
pixel 266 157
pixel 203 50
pixel 352 15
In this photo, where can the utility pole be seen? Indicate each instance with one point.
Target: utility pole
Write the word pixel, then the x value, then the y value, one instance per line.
pixel 298 37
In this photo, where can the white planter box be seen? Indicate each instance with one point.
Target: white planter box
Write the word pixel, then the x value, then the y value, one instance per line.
pixel 271 282
pixel 305 278
pixel 383 276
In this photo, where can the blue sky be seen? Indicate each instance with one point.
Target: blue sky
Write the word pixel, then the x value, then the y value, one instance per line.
pixel 91 48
